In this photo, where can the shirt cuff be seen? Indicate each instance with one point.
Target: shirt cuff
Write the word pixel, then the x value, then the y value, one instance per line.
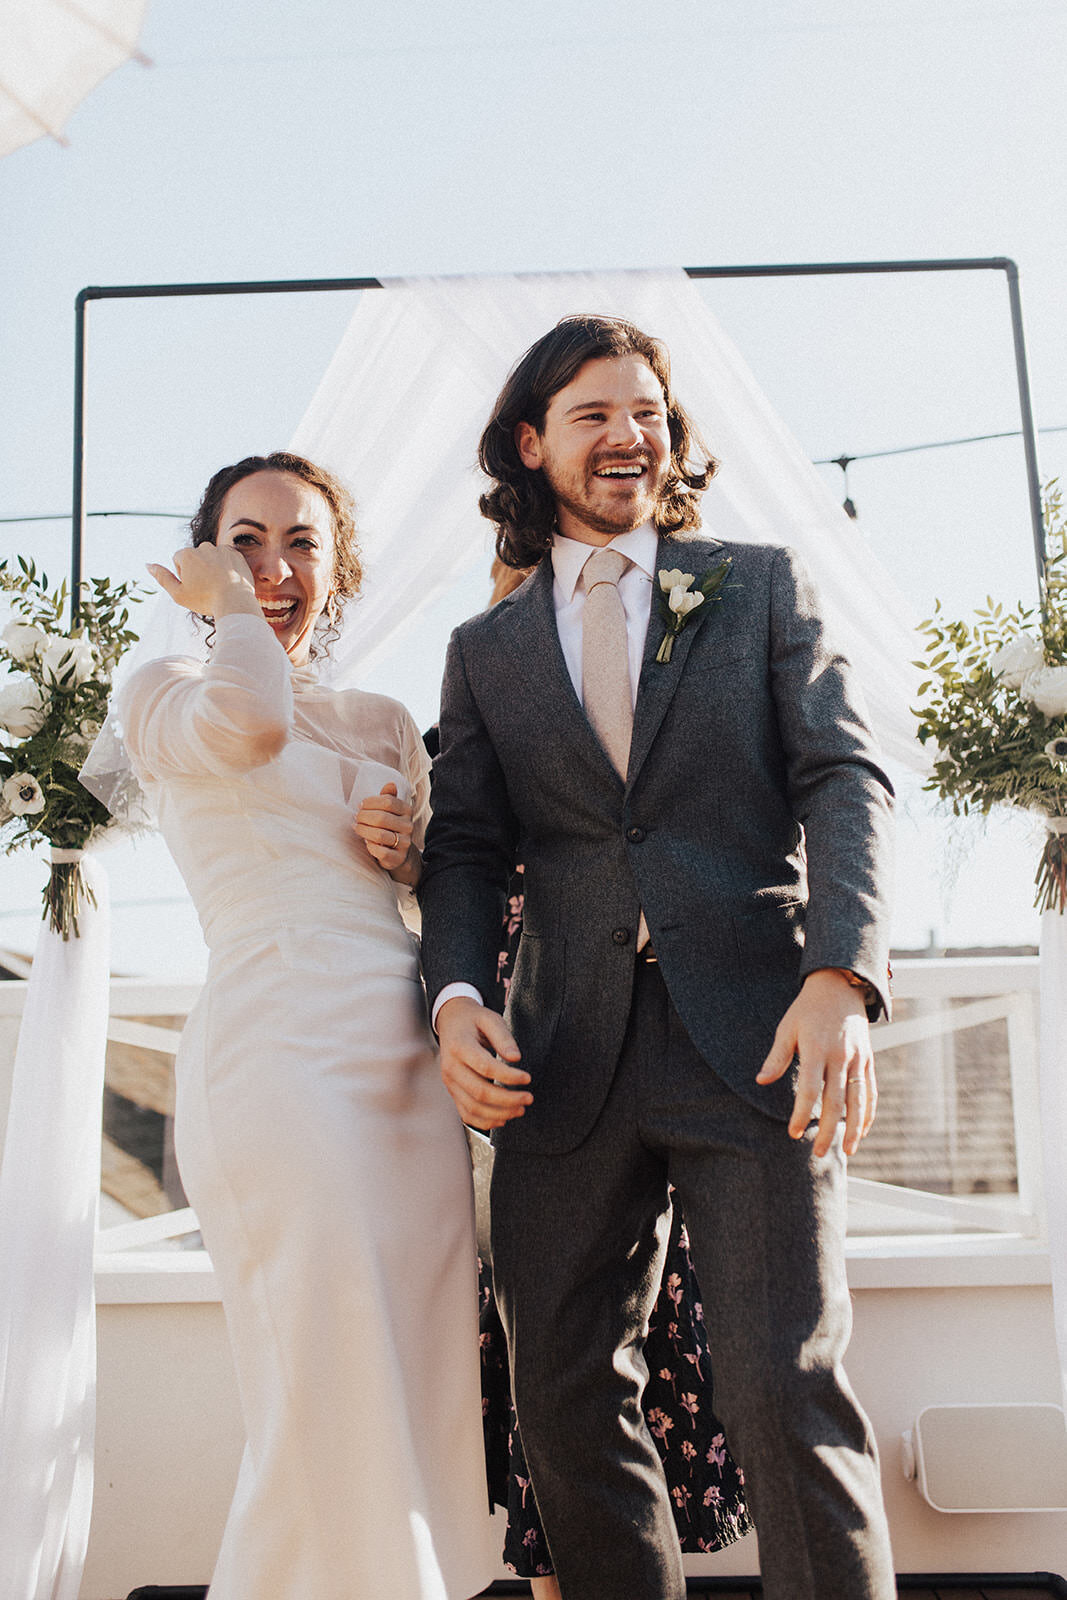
pixel 452 991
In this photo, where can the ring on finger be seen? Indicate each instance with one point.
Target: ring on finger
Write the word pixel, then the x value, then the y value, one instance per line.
pixel 396 839
pixel 851 1082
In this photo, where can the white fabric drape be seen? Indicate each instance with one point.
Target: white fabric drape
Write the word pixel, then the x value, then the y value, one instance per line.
pixel 1053 1101
pixel 400 409
pixel 49 1191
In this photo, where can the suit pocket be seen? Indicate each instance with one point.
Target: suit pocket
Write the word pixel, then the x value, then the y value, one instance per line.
pixel 535 996
pixel 769 936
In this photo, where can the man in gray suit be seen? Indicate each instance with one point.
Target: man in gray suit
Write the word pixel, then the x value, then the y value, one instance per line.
pixel 692 787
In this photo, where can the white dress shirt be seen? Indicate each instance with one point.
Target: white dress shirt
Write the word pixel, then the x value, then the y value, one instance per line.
pixel 569 556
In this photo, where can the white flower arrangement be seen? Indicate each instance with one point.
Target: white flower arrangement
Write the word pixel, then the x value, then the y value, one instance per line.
pixel 995 705
pixel 51 707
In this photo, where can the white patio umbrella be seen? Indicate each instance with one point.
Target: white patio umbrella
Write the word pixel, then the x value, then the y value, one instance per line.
pixel 52 53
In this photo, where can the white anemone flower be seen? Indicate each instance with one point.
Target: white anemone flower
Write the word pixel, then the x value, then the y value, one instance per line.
pixel 23 794
pixel 67 662
pixel 23 707
pixel 683 600
pixel 1056 750
pixel 1046 688
pixel 1015 659
pixel 675 577
pixel 23 640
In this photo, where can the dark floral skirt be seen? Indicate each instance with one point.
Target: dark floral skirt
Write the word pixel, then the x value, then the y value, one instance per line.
pixel 705 1483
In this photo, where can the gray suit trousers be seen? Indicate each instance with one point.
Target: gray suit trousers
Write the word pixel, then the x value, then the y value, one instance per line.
pixel 578 1242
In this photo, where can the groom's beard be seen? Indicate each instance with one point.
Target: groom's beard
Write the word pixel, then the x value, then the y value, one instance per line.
pixel 601 504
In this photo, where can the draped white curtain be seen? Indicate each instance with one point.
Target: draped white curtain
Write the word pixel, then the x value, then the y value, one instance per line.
pixel 400 409
pixel 49 1193
pixel 1053 1100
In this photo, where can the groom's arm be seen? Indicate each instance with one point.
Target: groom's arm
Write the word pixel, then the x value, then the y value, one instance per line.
pixel 467 862
pixel 843 800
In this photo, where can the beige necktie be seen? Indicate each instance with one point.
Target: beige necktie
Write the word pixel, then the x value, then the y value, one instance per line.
pixel 606 693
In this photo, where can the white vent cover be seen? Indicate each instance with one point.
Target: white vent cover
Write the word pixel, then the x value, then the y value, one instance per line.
pixel 989 1457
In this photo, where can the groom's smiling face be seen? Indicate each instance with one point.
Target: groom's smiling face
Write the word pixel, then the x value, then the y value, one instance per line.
pixel 604 448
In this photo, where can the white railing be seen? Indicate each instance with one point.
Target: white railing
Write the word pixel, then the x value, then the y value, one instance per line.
pixel 992 989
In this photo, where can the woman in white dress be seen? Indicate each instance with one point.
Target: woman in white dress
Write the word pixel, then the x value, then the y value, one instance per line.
pixel 324 1159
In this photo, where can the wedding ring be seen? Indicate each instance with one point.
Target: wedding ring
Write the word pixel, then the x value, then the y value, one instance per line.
pixel 850 1081
pixel 396 840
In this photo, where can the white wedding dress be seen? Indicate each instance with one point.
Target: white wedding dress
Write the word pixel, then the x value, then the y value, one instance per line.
pixel 324 1159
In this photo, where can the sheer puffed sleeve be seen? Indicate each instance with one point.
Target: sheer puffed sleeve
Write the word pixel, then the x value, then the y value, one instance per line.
pixel 229 716
pixel 417 771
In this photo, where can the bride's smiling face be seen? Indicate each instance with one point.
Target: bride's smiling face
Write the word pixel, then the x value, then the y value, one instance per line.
pixel 284 530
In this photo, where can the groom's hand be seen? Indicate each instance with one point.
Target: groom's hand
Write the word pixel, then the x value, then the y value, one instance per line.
pixel 826 1026
pixel 477 1050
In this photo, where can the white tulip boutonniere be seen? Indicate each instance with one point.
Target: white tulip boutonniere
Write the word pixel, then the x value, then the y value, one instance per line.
pixel 678 599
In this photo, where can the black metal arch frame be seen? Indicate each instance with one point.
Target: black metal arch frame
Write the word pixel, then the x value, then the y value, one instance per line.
pixel 148 291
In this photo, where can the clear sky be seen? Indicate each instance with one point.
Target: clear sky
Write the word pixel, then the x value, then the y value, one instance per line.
pixel 337 137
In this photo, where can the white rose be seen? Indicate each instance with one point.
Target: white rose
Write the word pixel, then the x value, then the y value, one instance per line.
pixel 68 662
pixel 23 794
pixel 23 707
pixel 683 600
pixel 23 640
pixel 1047 690
pixel 1015 659
pixel 670 580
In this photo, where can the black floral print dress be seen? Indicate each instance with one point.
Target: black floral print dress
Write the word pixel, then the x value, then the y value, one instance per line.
pixel 705 1483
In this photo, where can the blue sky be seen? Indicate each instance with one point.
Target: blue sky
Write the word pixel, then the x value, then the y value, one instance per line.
pixel 336 137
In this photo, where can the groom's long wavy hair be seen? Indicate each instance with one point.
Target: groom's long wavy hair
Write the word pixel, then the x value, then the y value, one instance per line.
pixel 520 504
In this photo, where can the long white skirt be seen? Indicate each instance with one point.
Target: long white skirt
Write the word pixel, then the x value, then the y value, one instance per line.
pixel 330 1174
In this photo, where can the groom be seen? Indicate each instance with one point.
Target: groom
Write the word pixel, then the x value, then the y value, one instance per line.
pixel 692 788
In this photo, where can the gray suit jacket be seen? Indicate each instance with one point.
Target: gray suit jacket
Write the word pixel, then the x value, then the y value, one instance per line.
pixel 753 829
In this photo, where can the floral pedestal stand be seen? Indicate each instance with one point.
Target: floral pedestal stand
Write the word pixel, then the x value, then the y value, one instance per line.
pixel 49 1191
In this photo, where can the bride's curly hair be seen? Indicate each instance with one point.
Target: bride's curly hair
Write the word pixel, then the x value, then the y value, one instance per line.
pixel 520 504
pixel 347 576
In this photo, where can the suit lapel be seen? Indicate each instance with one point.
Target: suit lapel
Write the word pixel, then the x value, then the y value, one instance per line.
pixel 659 680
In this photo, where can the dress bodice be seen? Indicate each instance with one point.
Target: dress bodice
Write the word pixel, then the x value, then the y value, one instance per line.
pixel 263 836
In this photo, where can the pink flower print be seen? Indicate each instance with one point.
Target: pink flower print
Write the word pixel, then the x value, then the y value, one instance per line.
pixel 524 1484
pixel 681 1497
pixel 543 1570
pixel 485 1405
pixel 694 1357
pixel 712 1496
pixel 660 1423
pixel 674 1289
pixel 717 1453
pixel 668 1377
pixel 672 1335
pixel 688 1450
pixel 698 1311
pixel 529 1538
pixel 683 1237
pixel 690 1403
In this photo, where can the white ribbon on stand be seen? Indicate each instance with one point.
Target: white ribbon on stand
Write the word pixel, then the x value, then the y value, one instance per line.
pixel 1053 1090
pixel 49 1197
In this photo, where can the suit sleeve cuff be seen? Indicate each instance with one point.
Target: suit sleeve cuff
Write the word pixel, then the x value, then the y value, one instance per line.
pixel 452 991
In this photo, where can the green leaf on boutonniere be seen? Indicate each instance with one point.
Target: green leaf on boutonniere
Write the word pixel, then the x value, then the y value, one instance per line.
pixel 680 595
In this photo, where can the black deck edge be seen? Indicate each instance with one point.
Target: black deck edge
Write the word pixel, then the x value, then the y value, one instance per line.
pixel 1050 1582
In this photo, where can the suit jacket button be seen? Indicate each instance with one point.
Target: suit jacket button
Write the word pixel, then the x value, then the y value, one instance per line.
pixel 620 935
pixel 635 835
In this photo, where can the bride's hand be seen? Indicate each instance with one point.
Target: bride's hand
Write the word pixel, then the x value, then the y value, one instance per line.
pixel 209 581
pixel 384 822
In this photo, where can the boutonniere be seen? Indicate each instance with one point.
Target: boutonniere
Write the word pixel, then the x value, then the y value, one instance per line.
pixel 678 599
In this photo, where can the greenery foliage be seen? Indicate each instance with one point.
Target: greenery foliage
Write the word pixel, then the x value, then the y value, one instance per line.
pixel 52 704
pixel 994 703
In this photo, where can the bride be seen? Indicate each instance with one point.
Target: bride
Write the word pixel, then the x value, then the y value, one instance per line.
pixel 327 1166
